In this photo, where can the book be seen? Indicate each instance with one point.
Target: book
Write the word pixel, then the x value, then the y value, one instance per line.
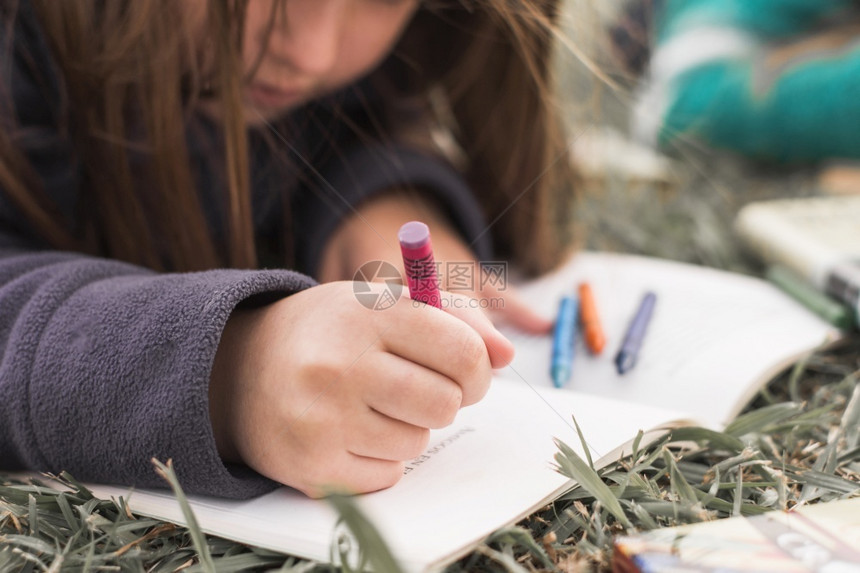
pixel 816 237
pixel 714 340
pixel 820 537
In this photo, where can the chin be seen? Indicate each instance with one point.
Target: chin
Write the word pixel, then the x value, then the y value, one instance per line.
pixel 256 117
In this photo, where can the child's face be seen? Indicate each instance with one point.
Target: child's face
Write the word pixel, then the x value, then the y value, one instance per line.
pixel 323 45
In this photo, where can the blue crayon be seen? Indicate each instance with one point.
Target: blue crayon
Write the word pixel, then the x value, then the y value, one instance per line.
pixel 562 343
pixel 629 352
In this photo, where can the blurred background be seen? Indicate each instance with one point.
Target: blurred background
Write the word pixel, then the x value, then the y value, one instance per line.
pixel 680 202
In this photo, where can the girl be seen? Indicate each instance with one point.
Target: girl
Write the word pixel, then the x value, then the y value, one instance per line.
pixel 157 156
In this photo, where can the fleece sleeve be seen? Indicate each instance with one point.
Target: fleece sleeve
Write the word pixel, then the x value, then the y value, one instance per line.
pixel 717 76
pixel 104 365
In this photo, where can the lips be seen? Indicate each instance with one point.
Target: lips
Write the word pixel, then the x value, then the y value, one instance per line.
pixel 269 96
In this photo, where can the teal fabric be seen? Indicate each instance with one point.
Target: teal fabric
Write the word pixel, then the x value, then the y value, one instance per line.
pixel 768 19
pixel 810 112
pixel 805 111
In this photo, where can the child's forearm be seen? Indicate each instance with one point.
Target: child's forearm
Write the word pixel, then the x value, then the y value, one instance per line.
pixel 107 365
pixel 371 234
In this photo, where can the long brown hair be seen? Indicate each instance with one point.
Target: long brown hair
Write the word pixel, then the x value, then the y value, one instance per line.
pixel 132 76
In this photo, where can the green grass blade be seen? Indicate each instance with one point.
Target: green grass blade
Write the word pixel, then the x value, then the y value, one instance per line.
pixel 517 536
pixel 850 422
pixel 585 447
pixel 507 562
pixel 826 481
pixel 574 467
pixel 716 440
pixel 371 544
pixel 197 536
pixel 678 483
pixel 757 420
pixel 32 516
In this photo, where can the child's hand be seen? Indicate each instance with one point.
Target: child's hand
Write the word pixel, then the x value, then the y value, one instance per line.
pixel 498 296
pixel 371 235
pixel 316 391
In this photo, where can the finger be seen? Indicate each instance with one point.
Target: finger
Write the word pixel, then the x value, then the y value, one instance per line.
pixel 514 311
pixel 379 437
pixel 412 393
pixel 442 342
pixel 352 474
pixel 499 348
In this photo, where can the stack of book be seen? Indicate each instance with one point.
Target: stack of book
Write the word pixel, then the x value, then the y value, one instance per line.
pixel 813 247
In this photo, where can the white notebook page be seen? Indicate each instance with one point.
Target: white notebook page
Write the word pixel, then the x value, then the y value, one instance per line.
pixel 714 339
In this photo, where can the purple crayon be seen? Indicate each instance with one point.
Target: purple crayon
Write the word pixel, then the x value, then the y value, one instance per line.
pixel 418 261
pixel 629 352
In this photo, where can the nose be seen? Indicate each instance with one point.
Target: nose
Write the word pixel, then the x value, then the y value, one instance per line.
pixel 309 41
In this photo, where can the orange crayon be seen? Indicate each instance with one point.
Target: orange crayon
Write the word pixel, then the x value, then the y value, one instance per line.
pixel 595 340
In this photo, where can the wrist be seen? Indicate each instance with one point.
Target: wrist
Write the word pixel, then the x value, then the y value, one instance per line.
pixel 224 382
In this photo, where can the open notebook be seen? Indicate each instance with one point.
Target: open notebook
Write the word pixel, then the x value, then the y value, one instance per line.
pixel 715 338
